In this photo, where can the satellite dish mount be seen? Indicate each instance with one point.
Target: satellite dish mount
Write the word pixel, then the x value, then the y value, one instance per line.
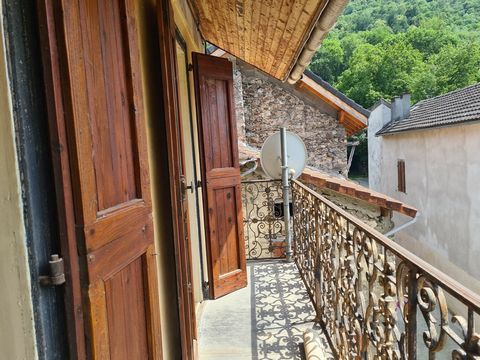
pixel 284 146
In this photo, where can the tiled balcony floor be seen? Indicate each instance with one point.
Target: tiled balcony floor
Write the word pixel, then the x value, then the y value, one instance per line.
pixel 265 320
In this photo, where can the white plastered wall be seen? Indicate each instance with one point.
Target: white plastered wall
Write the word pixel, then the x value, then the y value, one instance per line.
pixel 442 168
pixel 379 116
pixel 17 332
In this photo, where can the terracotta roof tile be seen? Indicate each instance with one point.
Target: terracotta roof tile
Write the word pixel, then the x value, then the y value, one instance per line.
pixel 353 189
pixel 456 107
pixel 341 185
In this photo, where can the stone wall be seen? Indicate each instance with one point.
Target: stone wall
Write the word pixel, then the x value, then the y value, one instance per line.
pixel 269 104
pixel 239 103
pixel 370 214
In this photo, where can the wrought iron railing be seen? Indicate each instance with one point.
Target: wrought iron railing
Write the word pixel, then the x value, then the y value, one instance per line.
pixel 263 219
pixel 374 299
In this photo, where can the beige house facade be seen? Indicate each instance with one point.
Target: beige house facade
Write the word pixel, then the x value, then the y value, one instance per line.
pixel 441 172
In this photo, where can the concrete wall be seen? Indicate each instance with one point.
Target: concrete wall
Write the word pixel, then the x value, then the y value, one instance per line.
pixel 17 334
pixel 269 104
pixel 442 181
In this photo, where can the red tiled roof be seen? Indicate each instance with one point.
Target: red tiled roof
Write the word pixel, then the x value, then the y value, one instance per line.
pixel 353 189
pixel 343 186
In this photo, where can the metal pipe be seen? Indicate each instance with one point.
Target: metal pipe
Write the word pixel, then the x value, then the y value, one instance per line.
pixel 403 226
pixel 286 187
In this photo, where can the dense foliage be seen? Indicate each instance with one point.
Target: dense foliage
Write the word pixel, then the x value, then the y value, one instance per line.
pixel 383 48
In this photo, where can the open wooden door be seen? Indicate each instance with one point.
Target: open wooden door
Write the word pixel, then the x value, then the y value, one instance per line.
pixel 178 185
pixel 92 72
pixel 220 174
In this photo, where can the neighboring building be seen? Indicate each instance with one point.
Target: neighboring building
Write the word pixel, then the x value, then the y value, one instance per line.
pixel 270 104
pixel 429 157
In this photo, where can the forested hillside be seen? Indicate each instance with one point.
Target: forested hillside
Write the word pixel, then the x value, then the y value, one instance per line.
pixel 383 48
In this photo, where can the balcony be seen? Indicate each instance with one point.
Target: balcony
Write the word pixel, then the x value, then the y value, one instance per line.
pixel 364 295
pixel 265 320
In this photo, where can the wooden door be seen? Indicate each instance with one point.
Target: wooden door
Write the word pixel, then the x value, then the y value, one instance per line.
pixel 93 77
pixel 220 174
pixel 178 185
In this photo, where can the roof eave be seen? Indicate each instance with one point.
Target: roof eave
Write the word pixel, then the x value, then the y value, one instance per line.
pixel 328 17
pixel 423 128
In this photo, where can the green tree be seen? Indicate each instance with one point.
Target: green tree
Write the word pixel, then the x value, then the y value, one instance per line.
pixel 430 36
pixel 380 32
pixel 381 48
pixel 383 70
pixel 456 66
pixel 328 61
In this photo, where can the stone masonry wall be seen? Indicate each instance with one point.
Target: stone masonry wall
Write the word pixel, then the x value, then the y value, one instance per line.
pixel 370 214
pixel 239 103
pixel 269 104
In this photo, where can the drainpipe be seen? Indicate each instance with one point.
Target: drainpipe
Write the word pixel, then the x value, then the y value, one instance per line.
pixel 404 226
pixel 327 19
pixel 286 187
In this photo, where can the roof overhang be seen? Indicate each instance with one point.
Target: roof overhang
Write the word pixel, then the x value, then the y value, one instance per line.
pixel 277 37
pixel 352 189
pixel 351 116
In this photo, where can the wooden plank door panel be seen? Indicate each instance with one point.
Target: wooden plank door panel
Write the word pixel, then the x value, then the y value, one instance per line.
pixel 99 78
pixel 221 173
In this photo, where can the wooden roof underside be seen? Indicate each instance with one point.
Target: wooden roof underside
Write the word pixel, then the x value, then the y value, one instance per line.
pixel 352 120
pixel 268 34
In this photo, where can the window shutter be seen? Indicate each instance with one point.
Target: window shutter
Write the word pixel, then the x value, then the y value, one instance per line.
pixel 401 176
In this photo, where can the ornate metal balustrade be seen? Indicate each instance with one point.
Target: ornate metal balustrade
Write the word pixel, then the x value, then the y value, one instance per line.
pixel 374 299
pixel 263 219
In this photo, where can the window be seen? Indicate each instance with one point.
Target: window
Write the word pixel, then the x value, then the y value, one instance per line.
pixel 401 176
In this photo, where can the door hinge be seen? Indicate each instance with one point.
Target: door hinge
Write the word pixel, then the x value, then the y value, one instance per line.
pixel 183 187
pixel 56 275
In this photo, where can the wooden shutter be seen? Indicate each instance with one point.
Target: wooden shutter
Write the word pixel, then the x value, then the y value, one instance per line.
pixel 220 174
pixel 168 67
pixel 401 176
pixel 97 119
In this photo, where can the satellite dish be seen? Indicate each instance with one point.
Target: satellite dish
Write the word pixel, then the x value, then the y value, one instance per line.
pixel 271 156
